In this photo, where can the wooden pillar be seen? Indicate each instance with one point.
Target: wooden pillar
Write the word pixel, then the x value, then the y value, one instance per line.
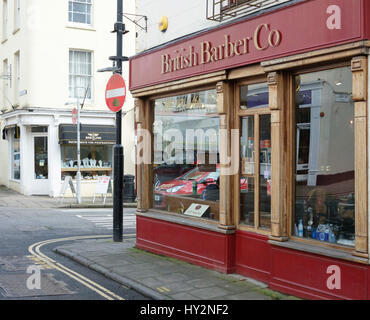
pixel 359 67
pixel 225 108
pixel 277 105
pixel 139 120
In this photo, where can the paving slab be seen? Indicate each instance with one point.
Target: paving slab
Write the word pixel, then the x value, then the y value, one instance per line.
pixel 178 280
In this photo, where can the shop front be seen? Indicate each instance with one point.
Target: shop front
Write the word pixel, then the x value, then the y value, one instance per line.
pixel 252 149
pixel 42 150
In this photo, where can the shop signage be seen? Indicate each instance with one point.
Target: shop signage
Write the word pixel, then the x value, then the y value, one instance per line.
pixel 206 52
pixel 67 183
pixel 115 93
pixel 297 28
pixel 197 210
pixel 103 187
pixel 74 116
pixel 89 134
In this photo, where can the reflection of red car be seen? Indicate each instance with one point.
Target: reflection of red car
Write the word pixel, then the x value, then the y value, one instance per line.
pixel 183 185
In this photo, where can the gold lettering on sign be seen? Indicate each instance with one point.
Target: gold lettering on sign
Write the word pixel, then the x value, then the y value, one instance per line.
pixel 264 38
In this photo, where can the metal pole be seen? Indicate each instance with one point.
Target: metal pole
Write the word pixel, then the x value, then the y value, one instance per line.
pixel 118 148
pixel 78 174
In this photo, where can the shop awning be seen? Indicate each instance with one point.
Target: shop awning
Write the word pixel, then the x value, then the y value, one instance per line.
pixel 90 134
pixel 7 129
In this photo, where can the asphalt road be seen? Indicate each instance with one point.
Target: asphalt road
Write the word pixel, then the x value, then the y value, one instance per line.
pixel 26 276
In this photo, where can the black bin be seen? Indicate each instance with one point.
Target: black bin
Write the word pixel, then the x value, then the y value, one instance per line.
pixel 129 188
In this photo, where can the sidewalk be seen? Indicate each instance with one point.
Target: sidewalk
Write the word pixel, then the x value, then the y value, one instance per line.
pixel 13 199
pixel 163 278
pixel 157 277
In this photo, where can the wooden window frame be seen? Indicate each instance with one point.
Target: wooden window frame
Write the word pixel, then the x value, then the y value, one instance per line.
pixel 239 114
pixel 282 103
pixel 144 118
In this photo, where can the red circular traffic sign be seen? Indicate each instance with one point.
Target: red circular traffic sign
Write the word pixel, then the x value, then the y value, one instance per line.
pixel 115 93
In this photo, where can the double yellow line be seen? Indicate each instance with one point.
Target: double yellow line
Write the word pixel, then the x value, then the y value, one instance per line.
pixel 34 249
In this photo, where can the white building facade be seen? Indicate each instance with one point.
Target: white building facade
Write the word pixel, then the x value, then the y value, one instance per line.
pixel 49 57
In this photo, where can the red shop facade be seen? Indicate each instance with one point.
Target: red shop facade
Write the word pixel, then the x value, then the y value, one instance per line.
pixel 252 150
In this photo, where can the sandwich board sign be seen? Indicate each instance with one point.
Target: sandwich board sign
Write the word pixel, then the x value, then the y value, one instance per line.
pixel 67 183
pixel 103 187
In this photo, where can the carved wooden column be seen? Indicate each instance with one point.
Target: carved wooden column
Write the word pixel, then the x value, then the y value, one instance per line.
pixel 360 85
pixel 278 149
pixel 139 120
pixel 225 105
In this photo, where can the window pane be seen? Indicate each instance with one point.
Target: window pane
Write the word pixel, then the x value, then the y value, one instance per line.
pixel 16 165
pixel 186 154
pixel 93 157
pixel 80 73
pixel 80 8
pixel 41 157
pixel 247 173
pixel 254 96
pixel 77 17
pixel 265 171
pixel 324 187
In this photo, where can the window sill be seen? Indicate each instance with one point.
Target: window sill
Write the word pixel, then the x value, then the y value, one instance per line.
pixel 80 26
pixel 319 250
pixel 186 221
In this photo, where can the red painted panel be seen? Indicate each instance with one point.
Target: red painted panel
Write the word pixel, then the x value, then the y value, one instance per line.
pixel 306 275
pixel 206 248
pixel 253 255
pixel 303 27
pixel 366 19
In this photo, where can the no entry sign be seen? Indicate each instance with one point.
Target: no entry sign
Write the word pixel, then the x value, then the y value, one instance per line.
pixel 115 93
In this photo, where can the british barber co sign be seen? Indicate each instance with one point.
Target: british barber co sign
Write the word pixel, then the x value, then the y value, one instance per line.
pixel 263 38
pixel 301 27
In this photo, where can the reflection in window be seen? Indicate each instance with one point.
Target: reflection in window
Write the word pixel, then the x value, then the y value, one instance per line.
pixel 186 154
pixel 247 175
pixel 324 187
pixel 265 172
pixel 254 96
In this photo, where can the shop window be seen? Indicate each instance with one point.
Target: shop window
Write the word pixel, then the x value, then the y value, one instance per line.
pixel 255 143
pixel 324 177
pixel 186 167
pixel 16 157
pixel 96 160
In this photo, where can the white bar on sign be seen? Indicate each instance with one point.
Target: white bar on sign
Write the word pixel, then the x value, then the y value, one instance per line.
pixel 116 93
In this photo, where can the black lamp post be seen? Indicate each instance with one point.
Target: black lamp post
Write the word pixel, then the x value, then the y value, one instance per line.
pixel 119 28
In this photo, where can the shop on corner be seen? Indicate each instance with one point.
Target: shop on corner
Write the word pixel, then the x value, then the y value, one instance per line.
pixel 252 153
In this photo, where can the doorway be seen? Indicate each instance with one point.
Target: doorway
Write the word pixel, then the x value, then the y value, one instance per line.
pixel 40 180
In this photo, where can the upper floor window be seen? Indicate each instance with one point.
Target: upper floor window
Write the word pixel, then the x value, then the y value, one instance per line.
pixel 79 11
pixel 17 14
pixel 80 74
pixel 5 19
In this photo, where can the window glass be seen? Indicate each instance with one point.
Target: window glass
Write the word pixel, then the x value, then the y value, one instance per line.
pixel 79 11
pixel 41 158
pixel 16 159
pixel 80 74
pixel 186 154
pixel 247 186
pixel 254 96
pixel 324 184
pixel 96 160
pixel 265 172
